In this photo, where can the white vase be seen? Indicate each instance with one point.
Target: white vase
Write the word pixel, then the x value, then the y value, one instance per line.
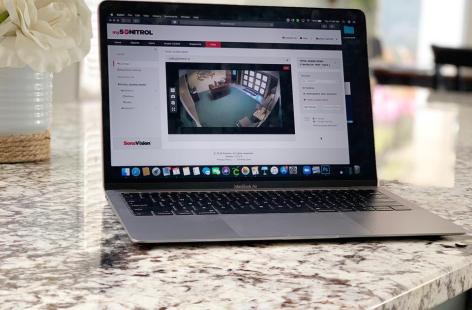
pixel 25 101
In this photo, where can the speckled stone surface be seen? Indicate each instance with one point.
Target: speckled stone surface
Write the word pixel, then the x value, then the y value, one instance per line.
pixel 62 247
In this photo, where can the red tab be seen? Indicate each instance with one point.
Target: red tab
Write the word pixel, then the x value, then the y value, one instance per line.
pixel 286 68
pixel 212 44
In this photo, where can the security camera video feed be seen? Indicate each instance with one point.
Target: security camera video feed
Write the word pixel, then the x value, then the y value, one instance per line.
pixel 229 98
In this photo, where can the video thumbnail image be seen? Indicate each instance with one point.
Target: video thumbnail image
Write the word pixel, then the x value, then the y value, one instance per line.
pixel 237 99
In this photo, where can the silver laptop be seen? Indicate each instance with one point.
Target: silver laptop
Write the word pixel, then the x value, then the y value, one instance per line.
pixel 229 123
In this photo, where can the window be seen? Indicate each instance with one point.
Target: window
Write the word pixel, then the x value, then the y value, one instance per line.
pixel 255 80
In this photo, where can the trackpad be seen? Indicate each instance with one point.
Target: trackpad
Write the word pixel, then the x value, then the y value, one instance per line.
pixel 293 225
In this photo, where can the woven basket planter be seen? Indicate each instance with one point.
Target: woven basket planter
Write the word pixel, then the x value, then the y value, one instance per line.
pixel 25 148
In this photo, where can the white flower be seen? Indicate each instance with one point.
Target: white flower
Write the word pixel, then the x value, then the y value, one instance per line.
pixel 46 35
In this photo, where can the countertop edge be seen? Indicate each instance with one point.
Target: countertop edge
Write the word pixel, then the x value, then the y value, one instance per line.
pixel 433 292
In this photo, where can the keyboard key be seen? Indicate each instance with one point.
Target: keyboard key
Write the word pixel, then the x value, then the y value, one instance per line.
pixel 346 209
pixel 400 207
pixel 382 208
pixel 206 212
pixel 138 205
pixel 142 212
pixel 182 211
pixel 165 211
pixel 225 209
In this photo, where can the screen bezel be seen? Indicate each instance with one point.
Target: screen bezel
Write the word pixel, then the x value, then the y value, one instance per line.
pixel 369 178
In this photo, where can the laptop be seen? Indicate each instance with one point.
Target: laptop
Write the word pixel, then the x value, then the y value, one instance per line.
pixel 232 123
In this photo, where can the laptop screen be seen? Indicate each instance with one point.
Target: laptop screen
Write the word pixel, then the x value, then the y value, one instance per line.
pixel 197 94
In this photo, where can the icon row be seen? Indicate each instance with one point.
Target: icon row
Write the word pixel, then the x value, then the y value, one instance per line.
pixel 172 100
pixel 226 171
pixel 298 20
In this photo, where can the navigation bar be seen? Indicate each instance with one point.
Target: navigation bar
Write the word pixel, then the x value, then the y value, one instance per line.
pixel 214 44
pixel 223 34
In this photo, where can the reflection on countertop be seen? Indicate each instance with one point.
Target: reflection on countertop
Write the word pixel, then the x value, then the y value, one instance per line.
pixel 62 246
pixel 417 133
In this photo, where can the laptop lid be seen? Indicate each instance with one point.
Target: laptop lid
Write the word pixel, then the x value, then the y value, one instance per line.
pixel 225 96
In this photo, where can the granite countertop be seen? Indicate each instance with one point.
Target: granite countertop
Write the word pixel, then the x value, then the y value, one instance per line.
pixel 62 247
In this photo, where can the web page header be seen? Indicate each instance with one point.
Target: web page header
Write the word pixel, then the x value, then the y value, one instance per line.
pixel 223 34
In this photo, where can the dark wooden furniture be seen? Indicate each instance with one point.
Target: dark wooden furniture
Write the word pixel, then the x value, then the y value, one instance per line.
pixel 459 57
pixel 218 90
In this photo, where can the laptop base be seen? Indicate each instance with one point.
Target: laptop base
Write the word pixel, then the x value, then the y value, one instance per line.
pixel 276 226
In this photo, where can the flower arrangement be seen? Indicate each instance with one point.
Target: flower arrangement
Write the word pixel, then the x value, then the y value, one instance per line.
pixel 46 35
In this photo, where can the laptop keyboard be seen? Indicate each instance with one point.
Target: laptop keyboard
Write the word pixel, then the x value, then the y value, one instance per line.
pixel 250 202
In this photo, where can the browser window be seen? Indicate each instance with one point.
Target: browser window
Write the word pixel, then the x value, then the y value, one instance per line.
pixel 216 94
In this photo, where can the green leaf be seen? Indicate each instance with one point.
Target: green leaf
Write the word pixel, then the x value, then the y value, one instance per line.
pixel 3 15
